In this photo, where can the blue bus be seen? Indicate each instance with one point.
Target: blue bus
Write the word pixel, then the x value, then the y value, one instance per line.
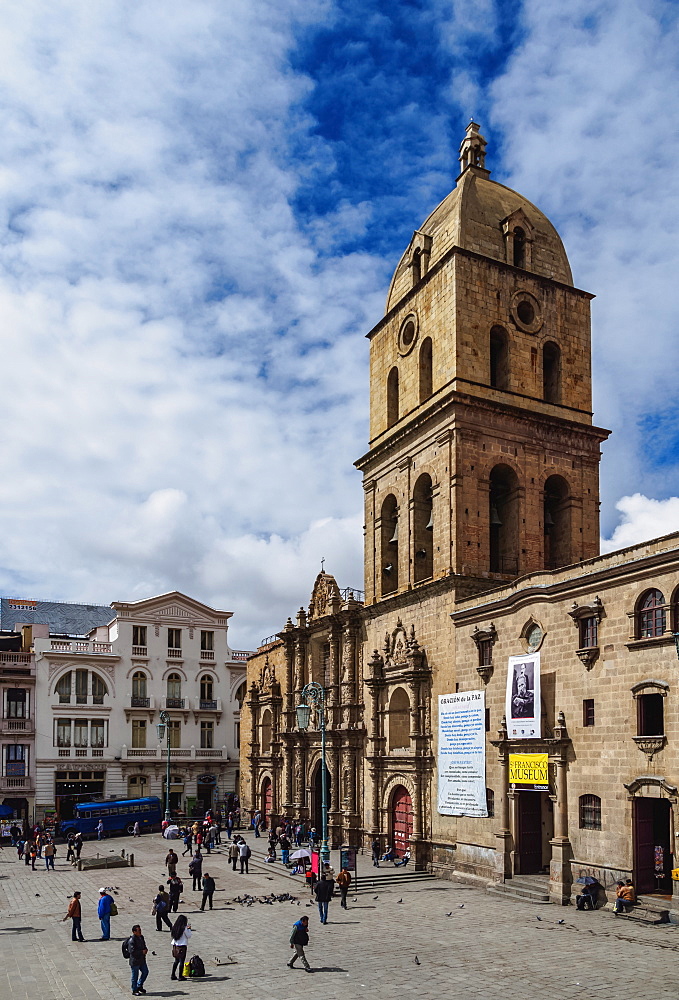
pixel 118 815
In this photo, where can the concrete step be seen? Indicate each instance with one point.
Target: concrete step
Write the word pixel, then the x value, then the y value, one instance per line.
pixel 643 914
pixel 529 888
pixel 370 883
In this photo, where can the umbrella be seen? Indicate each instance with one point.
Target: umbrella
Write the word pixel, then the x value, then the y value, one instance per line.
pixel 171 833
pixel 298 855
pixel 587 880
pixel 6 811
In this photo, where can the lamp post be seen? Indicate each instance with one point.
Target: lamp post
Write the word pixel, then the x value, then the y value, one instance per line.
pixel 313 693
pixel 161 728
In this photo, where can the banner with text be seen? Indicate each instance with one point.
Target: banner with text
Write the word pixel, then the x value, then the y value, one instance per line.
pixel 529 772
pixel 523 697
pixel 462 754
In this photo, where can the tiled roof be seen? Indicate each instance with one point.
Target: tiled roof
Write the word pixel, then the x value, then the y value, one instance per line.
pixel 70 619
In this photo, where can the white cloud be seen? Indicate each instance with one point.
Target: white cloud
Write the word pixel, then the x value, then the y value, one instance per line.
pixel 186 373
pixel 589 107
pixel 642 518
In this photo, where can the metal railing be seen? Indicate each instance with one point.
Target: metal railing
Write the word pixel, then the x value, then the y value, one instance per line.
pixel 352 594
pixel 140 702
pixel 174 702
pixel 209 705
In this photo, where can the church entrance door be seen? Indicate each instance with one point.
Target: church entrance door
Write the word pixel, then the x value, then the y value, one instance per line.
pixel 401 820
pixel 267 801
pixel 652 859
pixel 535 827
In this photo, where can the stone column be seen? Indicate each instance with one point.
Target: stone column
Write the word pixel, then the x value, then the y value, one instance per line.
pixel 334 804
pixel 560 872
pixel 334 690
pixel 503 836
pixel 348 674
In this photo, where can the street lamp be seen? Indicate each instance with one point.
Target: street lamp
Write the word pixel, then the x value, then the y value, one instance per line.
pixel 315 694
pixel 161 728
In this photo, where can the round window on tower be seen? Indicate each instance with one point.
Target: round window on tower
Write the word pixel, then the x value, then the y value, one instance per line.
pixel 526 312
pixel 407 334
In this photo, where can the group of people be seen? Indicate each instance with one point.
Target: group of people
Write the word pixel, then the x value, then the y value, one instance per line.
pixel 34 845
pixel 625 895
pixel 389 855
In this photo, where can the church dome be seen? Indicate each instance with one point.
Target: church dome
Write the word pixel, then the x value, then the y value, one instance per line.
pixel 487 218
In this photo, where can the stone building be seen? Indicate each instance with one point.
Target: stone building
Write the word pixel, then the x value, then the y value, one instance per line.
pixel 481 489
pixel 99 697
pixel 17 722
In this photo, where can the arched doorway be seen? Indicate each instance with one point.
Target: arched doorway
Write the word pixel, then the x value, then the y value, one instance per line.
pixel 266 801
pixel 401 819
pixel 317 803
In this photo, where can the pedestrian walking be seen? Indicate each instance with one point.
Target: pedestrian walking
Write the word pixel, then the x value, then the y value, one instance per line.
pixel 234 853
pixel 175 889
pixel 34 854
pixel 78 844
pixel 161 906
pixel 75 913
pixel 256 821
pixel 208 890
pixel 181 934
pixel 100 829
pixel 70 843
pixel 104 914
pixel 136 829
pixel 244 853
pixel 375 851
pixel 49 851
pixel 137 952
pixel 344 881
pixel 171 862
pixel 299 939
pixel 323 891
pixel 196 870
pixel 188 841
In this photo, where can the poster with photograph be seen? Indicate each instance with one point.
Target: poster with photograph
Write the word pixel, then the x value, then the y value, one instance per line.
pixel 523 697
pixel 462 754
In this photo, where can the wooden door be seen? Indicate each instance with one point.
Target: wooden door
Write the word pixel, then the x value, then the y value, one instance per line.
pixel 267 801
pixel 651 832
pixel 530 832
pixel 402 820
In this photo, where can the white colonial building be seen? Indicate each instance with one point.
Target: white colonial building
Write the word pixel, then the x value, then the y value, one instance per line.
pixel 99 698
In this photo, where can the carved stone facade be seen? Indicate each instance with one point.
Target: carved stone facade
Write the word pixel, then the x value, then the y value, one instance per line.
pixel 481 543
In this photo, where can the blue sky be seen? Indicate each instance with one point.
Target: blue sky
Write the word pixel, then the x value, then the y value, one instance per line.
pixel 200 209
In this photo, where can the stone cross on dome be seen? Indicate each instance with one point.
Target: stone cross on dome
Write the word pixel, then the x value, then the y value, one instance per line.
pixel 473 149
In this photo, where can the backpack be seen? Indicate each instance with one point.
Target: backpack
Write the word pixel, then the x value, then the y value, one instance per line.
pixel 113 912
pixel 194 868
pixel 196 966
pixel 248 852
pixel 125 948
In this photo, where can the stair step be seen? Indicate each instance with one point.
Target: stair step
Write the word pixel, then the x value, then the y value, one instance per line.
pixel 644 914
pixel 521 892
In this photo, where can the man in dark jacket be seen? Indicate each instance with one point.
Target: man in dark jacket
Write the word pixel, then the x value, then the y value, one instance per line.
pixel 298 939
pixel 323 891
pixel 161 907
pixel 196 869
pixel 136 946
pixel 175 889
pixel 208 890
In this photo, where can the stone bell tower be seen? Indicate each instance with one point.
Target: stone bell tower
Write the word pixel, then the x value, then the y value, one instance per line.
pixel 483 460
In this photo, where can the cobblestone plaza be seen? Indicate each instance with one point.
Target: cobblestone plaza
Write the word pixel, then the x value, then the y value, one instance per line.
pixel 468 943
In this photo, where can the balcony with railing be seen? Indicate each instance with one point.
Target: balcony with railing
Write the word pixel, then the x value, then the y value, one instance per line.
pixel 169 703
pixel 24 726
pixel 16 783
pixel 140 651
pixel 207 654
pixel 176 753
pixel 174 654
pixel 207 705
pixel 137 701
pixel 241 655
pixel 80 646
pixel 17 661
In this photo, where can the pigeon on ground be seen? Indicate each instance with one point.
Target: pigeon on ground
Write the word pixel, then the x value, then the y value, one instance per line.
pixel 449 914
pixel 37 893
pixel 461 906
pixel 561 921
pixel 130 899
pixel 153 952
pixel 538 918
pixel 376 897
pixel 399 900
pixel 354 900
pixel 417 961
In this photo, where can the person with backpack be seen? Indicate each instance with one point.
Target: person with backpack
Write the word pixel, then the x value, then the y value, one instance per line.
pixel 208 890
pixel 181 934
pixel 298 940
pixel 244 854
pixel 188 841
pixel 135 951
pixel 104 914
pixel 161 906
pixel 196 870
pixel 175 889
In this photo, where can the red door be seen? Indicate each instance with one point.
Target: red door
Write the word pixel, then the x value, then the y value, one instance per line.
pixel 267 801
pixel 401 819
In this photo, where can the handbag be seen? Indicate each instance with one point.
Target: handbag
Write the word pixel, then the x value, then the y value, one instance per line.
pixel 175 951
